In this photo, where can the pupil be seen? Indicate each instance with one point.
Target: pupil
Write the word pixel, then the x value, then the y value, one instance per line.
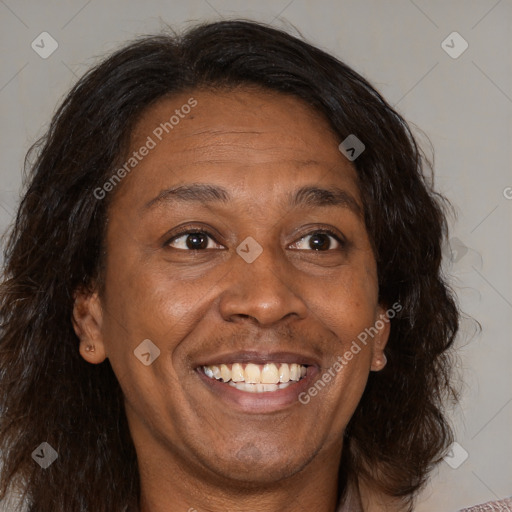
pixel 195 239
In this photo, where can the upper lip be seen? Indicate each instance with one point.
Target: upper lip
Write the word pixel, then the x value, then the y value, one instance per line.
pixel 259 357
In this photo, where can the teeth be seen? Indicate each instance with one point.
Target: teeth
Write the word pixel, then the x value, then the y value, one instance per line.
pixel 294 372
pixel 254 388
pixel 255 377
pixel 225 373
pixel 216 372
pixel 269 374
pixel 252 374
pixel 284 373
pixel 237 372
pixel 258 388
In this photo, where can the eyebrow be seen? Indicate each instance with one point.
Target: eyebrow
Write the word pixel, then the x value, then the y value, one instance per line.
pixel 306 196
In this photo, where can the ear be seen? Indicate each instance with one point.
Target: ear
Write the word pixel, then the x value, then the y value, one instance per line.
pixel 87 322
pixel 383 325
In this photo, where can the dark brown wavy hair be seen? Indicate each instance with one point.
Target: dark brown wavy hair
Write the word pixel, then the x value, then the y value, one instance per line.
pixel 48 392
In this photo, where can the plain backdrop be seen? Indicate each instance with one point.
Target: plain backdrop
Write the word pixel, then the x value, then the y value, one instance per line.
pixel 462 102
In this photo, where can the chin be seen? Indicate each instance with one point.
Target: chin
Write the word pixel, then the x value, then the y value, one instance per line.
pixel 260 464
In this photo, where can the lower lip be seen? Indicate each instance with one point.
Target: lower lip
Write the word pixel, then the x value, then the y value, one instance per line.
pixel 267 401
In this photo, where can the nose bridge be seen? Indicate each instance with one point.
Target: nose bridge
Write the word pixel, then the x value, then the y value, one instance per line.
pixel 260 285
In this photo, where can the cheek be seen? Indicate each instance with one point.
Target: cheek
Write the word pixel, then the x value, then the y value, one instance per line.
pixel 348 308
pixel 144 294
pixel 348 304
pixel 146 302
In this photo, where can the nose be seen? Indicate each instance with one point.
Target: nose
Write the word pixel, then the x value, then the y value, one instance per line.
pixel 265 291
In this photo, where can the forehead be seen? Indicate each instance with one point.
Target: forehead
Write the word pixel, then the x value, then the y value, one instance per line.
pixel 229 136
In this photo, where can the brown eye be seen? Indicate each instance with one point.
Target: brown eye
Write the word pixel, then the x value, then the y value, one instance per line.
pixel 320 241
pixel 191 240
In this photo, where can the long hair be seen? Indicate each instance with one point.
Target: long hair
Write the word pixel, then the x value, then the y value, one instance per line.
pixel 48 393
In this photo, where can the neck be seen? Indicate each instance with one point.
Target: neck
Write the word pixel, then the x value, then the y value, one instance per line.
pixel 169 484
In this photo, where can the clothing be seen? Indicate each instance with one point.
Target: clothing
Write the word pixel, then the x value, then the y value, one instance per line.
pixel 492 506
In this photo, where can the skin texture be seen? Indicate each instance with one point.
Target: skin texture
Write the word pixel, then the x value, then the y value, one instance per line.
pixel 194 450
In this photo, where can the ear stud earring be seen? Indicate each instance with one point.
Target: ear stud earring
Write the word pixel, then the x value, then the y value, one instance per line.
pixel 381 362
pixel 89 348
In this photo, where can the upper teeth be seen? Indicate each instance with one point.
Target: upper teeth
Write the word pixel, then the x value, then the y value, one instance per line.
pixel 269 373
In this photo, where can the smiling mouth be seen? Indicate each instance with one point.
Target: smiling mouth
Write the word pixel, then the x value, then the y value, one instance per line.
pixel 256 378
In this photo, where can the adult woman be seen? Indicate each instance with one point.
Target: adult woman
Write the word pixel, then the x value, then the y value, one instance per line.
pixel 124 350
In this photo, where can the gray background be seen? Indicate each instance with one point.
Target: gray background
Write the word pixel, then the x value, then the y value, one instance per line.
pixel 463 105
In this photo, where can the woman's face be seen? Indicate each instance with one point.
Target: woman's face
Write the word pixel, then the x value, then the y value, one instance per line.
pixel 211 259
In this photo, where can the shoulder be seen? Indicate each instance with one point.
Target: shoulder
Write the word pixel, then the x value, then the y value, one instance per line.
pixel 492 506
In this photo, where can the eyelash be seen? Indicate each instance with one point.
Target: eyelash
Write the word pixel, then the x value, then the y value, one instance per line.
pixel 189 231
